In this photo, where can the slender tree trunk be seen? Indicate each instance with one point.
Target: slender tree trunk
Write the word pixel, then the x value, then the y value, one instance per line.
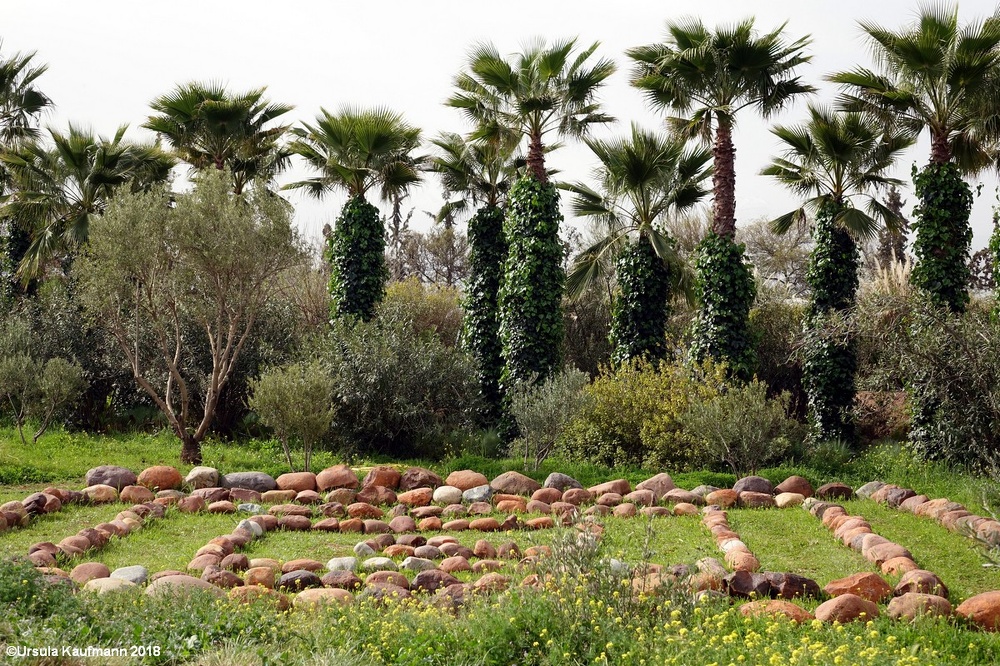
pixel 190 449
pixel 724 180
pixel 940 148
pixel 536 158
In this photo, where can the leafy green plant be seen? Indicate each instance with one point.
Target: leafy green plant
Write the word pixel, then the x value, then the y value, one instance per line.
pixel 296 401
pixel 639 313
pixel 356 252
pixel 542 411
pixel 741 426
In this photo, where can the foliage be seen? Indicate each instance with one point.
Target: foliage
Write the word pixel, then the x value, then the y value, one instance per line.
pixel 640 310
pixel 634 415
pixel 295 401
pixel 994 259
pixel 726 291
pixel 741 426
pixel 430 309
pixel 531 324
pixel 943 235
pixel 779 260
pixel 207 126
pixel 209 262
pixel 396 392
pixel 777 326
pixel 543 410
pixel 356 252
pixel 487 258
pixel 587 321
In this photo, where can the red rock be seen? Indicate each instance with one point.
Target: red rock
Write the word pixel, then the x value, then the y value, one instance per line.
pixel 363 510
pixel 297 523
pixel 266 522
pixel 291 510
pixel 222 507
pixel 776 607
pixel 609 499
pixel 454 564
pixel 659 485
pixel 383 475
pixel 296 481
pixel 466 479
pixel 752 500
pixel 846 608
pixel 492 582
pixel 263 576
pixel 547 495
pixel 724 498
pixel 795 484
pixel 884 552
pixel 376 495
pixel 540 523
pixel 418 477
pixel 193 504
pixel 485 525
pixel 89 571
pixel 456 525
pixel 536 506
pixel 910 505
pixel 866 585
pixel 416 497
pixel 430 524
pixel 834 491
pixel 685 509
pixel 681 495
pixel 244 495
pixel 136 495
pixel 303 564
pixel 161 477
pixel 515 483
pixel 626 510
pixel 982 610
pixel 618 486
pixel 577 496
pixel 898 565
pixel 338 476
pixel 913 604
pixel 308 497
pixel 277 496
pixel 742 561
pixel 512 506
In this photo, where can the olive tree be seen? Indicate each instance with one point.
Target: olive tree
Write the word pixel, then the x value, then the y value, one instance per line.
pixel 175 278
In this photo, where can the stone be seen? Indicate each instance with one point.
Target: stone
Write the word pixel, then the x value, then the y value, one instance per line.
pixel 480 493
pixel 491 583
pixel 846 608
pixel 420 512
pixel 310 497
pixel 413 563
pixel 277 496
pixel 324 596
pixel 754 484
pixel 419 477
pixel 834 490
pixel 344 580
pixel 402 524
pixel 106 585
pixel 89 571
pixel 480 509
pixel 245 495
pixel 295 523
pixel 160 477
pixel 364 510
pixel 100 494
pixel 723 498
pixel 337 476
pixel 388 578
pixel 703 490
pixel 685 509
pixel 641 497
pixel 428 552
pixel 252 594
pixel 296 481
pixel 266 522
pixel 110 475
pixel 897 496
pixel 235 562
pixel 536 506
pixel 416 497
pixel 561 482
pixel 912 605
pixel 659 485
pixel 868 489
pixel 447 495
pixel 609 499
pixel 982 610
pixel 454 564
pixel 376 495
pixel 755 500
pixel 742 583
pixel 742 561
pixel 256 530
pixel 383 475
pixel 136 495
pixel 486 566
pixel 577 496
pixel 792 586
pixel 512 506
pixel 431 524
pixel 867 585
pixel 302 564
pixel 898 565
pixel 776 607
pixel 212 494
pixel 786 500
pixel 364 549
pixel 222 507
pixel 373 526
pixel 484 549
pixel 378 564
pixel 223 579
pixel 619 486
pixel 466 479
pixel 179 584
pixel 202 477
pixel 547 495
pixel 795 484
pixel 515 483
pixel 884 552
pixel 257 481
pixel 485 525
pixel 294 581
pixel 681 495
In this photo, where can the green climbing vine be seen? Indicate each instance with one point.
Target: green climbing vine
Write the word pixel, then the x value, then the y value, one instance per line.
pixel 356 252
pixel 642 305
pixel 943 235
pixel 726 291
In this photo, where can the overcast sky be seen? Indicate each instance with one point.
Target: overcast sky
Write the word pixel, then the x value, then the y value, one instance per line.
pixel 108 59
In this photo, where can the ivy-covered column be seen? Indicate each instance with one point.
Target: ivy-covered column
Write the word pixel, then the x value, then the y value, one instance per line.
pixel 356 252
pixel 640 310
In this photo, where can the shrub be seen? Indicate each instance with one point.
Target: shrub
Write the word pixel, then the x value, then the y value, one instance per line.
pixel 543 410
pixel 633 417
pixel 741 426
pixel 397 393
pixel 430 309
pixel 777 327
pixel 587 320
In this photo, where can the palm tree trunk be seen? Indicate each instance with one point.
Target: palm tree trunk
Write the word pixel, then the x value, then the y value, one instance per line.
pixel 724 180
pixel 536 158
pixel 940 147
pixel 190 449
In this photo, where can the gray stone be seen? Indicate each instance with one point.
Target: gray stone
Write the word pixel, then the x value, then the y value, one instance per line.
pixel 866 490
pixel 561 481
pixel 754 484
pixel 258 481
pixel 137 574
pixel 363 550
pixel 256 530
pixel 343 563
pixel 378 564
pixel 478 494
pixel 111 475
pixel 202 477
pixel 417 564
pixel 300 579
pixel 701 491
pixel 250 508
pixel 618 567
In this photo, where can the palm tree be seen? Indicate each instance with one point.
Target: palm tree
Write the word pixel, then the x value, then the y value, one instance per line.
pixel 355 151
pixel 58 189
pixel 479 173
pixel 207 127
pixel 936 75
pixel 543 89
pixel 643 179
pixel 708 78
pixel 835 157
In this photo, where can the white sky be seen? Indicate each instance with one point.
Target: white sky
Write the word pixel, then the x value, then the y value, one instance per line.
pixel 107 59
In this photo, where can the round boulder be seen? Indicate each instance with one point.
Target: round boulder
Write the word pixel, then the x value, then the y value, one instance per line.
pixel 256 481
pixel 161 477
pixel 110 475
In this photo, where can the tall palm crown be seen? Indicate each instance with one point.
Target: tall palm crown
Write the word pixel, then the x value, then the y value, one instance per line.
pixel 21 102
pixel 356 150
pixel 208 126
pixel 59 189
pixel 642 178
pixel 479 171
pixel 837 156
pixel 936 75
pixel 540 90
pixel 708 77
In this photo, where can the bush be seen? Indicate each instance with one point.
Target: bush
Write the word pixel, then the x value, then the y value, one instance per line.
pixel 741 426
pixel 777 326
pixel 397 393
pixel 587 343
pixel 543 410
pixel 633 417
pixel 430 309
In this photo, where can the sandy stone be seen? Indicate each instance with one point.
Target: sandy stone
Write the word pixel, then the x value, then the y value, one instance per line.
pixel 659 485
pixel 786 500
pixel 846 608
pixel 724 498
pixel 100 494
pixel 867 585
pixel 466 479
pixel 515 483
pixel 160 477
pixel 754 500
pixel 323 596
pixel 431 524
pixel 618 486
pixel 106 585
pixel 180 584
pixel 383 475
pixel 89 571
pixel 338 476
pixel 416 497
pixel 795 484
pixel 455 564
pixel 911 605
pixel 277 496
pixel 982 610
pixel 447 495
pixel 742 561
pixel 136 494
